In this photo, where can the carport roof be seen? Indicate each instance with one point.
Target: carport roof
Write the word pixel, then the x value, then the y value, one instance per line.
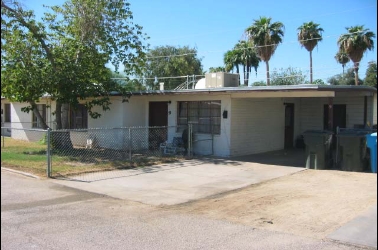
pixel 287 88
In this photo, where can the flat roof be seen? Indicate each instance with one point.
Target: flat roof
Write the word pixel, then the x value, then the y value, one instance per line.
pixel 242 89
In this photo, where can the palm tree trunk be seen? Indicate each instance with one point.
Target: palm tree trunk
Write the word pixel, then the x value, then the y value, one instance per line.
pixel 248 70
pixel 244 75
pixel 356 66
pixel 310 67
pixel 267 73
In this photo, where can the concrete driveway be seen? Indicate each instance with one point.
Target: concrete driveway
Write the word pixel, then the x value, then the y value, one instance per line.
pixel 179 182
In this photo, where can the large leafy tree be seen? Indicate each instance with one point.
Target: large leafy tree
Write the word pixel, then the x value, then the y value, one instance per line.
pixel 342 58
pixel 309 34
pixel 371 75
pixel 344 79
pixel 247 58
pixel 289 76
pixel 355 43
pixel 168 61
pixel 216 69
pixel 65 55
pixel 266 36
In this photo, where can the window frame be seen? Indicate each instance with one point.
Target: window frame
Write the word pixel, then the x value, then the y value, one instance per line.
pixel 7 112
pixel 42 111
pixel 79 112
pixel 205 115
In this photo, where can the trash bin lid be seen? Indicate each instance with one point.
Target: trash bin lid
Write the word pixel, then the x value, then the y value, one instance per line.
pixel 354 132
pixel 317 132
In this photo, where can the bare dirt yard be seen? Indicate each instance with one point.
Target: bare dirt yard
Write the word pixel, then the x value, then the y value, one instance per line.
pixel 309 203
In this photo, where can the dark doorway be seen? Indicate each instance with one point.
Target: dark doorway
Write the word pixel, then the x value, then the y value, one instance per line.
pixel 339 116
pixel 158 117
pixel 289 125
pixel 339 120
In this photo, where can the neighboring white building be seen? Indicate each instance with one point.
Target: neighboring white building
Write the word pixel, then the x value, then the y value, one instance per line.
pixel 246 120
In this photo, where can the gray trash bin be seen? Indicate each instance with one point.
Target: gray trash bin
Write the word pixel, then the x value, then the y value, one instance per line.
pixel 318 149
pixel 352 150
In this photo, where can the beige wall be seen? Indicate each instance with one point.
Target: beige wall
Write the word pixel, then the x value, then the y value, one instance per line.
pixel 257 125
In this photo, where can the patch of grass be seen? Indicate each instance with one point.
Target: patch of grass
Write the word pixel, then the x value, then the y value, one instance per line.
pixel 31 157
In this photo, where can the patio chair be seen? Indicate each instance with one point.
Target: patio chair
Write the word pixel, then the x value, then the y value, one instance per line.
pixel 172 148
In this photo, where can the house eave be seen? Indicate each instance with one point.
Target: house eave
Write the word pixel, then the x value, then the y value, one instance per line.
pixel 267 91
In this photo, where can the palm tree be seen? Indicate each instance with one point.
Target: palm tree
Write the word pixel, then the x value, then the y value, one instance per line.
pixel 309 34
pixel 266 36
pixel 355 43
pixel 231 60
pixel 342 58
pixel 248 58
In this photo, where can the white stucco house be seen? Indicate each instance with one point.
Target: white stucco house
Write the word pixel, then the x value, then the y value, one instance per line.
pixel 245 120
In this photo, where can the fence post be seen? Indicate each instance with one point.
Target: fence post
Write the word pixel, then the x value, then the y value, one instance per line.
pixel 190 128
pixel 48 152
pixel 2 136
pixel 130 146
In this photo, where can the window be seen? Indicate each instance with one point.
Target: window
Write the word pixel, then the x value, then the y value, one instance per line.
pixel 205 115
pixel 37 123
pixel 79 117
pixel 7 112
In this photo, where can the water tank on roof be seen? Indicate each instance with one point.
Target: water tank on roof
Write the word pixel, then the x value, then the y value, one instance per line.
pixel 201 84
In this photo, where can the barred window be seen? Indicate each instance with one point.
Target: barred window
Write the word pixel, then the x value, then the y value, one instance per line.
pixel 204 115
pixel 7 112
pixel 37 123
pixel 79 117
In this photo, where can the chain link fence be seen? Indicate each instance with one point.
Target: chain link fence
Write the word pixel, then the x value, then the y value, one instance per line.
pixel 75 153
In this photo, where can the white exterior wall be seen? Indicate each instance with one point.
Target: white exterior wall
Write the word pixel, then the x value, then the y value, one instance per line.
pixel 204 143
pixel 258 125
pixel 22 120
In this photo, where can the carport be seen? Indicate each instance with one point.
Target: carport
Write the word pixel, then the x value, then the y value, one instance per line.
pixel 265 119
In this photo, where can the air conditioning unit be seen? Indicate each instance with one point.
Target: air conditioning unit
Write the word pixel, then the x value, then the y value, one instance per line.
pixel 221 80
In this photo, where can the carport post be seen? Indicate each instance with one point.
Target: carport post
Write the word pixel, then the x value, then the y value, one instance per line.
pixel 190 129
pixel 330 114
pixel 365 111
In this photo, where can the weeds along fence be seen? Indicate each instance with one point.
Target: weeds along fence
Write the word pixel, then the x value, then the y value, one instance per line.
pixel 69 153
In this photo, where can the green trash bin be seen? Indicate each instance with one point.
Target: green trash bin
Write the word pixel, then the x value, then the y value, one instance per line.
pixel 352 150
pixel 318 149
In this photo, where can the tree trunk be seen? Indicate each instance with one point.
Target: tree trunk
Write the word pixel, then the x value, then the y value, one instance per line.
pixel 237 72
pixel 244 76
pixel 65 116
pixel 310 67
pixel 356 66
pixel 267 73
pixel 61 140
pixel 248 70
pixel 58 115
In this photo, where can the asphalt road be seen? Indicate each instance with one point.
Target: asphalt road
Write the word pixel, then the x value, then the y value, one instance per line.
pixel 40 214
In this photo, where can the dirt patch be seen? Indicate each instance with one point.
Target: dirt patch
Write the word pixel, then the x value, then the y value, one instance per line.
pixel 309 203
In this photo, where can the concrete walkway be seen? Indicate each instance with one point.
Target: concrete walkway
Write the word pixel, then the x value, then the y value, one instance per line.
pixel 180 182
pixel 361 231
